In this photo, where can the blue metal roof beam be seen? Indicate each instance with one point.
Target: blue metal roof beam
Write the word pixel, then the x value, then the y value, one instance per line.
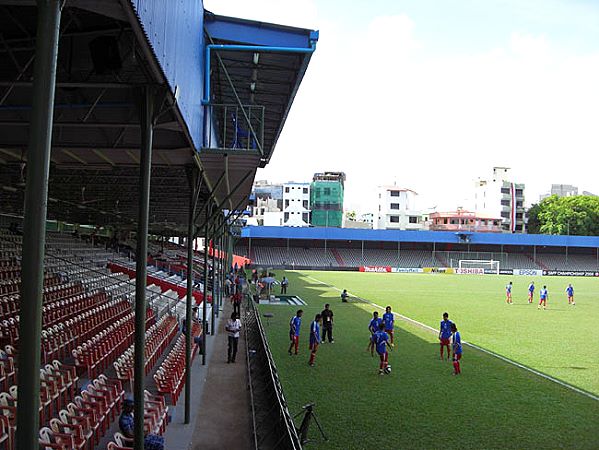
pixel 250 48
pixel 249 32
pixel 256 36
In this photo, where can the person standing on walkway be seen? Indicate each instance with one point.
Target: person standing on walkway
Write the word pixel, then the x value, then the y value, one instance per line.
pixel 233 326
pixel 284 284
pixel 236 299
pixel 327 324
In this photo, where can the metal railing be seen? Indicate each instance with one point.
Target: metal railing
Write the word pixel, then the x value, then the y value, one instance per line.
pixel 235 127
pixel 273 425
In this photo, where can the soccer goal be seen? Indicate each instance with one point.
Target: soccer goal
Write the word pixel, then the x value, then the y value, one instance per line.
pixel 474 264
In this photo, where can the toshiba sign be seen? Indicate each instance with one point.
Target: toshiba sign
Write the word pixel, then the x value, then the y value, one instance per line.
pixel 470 271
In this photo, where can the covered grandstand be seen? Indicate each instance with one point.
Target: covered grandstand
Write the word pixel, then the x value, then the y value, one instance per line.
pixel 349 249
pixel 123 120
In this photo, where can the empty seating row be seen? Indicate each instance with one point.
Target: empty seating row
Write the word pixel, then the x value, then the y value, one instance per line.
pixel 60 339
pixel 96 355
pixel 170 376
pixel 86 419
pixel 58 386
pixel 13 286
pixel 158 337
pixel 10 304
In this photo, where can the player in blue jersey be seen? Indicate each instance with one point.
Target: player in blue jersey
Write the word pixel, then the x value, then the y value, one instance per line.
pixel 389 321
pixel 294 331
pixel 544 295
pixel 373 327
pixel 570 293
pixel 381 340
pixel 508 293
pixel 457 349
pixel 531 292
pixel 445 335
pixel 314 338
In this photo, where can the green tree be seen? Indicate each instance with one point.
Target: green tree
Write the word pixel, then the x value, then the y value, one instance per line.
pixel 533 225
pixel 576 215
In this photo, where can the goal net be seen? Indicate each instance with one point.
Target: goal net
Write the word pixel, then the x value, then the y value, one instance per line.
pixel 477 265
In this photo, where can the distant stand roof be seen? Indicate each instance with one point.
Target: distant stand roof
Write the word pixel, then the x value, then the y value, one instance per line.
pixel 439 237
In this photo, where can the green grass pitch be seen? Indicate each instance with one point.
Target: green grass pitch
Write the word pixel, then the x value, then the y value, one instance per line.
pixel 492 405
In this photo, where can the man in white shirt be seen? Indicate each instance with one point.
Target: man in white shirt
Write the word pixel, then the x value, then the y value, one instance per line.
pixel 233 326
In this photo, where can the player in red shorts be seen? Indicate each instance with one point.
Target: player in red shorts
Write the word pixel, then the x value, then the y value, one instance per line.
pixel 508 293
pixel 314 339
pixel 381 341
pixel 445 335
pixel 457 349
pixel 389 321
pixel 294 331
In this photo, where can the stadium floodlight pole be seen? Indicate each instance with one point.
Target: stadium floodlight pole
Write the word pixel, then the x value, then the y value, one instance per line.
pixel 34 223
pixel 146 112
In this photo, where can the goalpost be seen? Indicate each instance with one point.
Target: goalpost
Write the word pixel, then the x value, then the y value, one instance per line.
pixel 474 264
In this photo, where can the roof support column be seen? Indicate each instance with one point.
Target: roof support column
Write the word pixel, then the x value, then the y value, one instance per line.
pixel 188 309
pixel 213 277
pixel 146 112
pixel 34 225
pixel 205 291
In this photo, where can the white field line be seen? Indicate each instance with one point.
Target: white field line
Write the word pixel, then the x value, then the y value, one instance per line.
pixel 484 350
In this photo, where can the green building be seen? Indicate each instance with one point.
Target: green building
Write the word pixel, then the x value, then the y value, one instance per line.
pixel 326 199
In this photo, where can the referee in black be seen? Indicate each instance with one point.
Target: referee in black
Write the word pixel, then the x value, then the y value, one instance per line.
pixel 327 323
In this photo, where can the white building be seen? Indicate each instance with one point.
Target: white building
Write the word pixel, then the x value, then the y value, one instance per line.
pixel 498 196
pixel 561 190
pixel 397 209
pixel 296 204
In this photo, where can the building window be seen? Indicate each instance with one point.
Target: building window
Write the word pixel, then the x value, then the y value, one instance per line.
pixel 327 191
pixel 287 189
pixel 286 217
pixel 394 193
pixel 413 219
pixel 305 190
pixel 519 192
pixel 505 202
pixel 518 204
pixel 305 217
pixel 505 190
pixel 394 219
pixel 394 205
pixel 286 203
pixel 305 204
pixel 505 214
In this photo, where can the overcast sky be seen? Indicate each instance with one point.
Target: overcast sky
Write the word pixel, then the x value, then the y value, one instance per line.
pixel 431 94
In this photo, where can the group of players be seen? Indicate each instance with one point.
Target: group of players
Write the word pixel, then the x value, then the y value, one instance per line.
pixel 382 338
pixel 543 295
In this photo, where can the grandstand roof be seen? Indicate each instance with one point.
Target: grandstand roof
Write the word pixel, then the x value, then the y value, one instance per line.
pixel 95 147
pixel 352 234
